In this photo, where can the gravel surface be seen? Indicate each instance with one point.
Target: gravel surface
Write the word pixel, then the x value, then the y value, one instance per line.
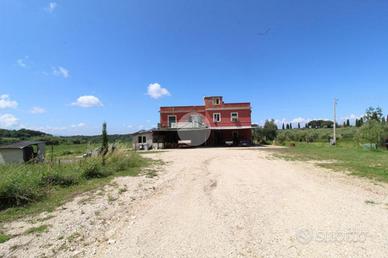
pixel 216 202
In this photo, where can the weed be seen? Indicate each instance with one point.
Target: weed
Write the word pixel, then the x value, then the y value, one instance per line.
pixel 4 238
pixel 37 230
pixel 151 174
pixel 74 237
pixel 111 198
pixel 122 190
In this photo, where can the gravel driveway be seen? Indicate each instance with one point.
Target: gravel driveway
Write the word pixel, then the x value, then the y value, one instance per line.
pixel 237 202
pixel 221 202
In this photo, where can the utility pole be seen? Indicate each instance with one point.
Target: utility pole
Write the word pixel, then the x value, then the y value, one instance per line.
pixel 335 122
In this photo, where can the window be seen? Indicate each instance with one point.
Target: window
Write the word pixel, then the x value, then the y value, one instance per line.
pixel 217 117
pixel 216 101
pixel 234 117
pixel 171 120
pixel 141 139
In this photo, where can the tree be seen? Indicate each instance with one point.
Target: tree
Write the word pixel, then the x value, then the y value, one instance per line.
pixel 320 124
pixel 283 127
pixel 288 126
pixel 270 129
pixel 266 133
pixel 361 122
pixel 348 123
pixel 104 147
pixel 298 125
pixel 371 132
pixel 374 114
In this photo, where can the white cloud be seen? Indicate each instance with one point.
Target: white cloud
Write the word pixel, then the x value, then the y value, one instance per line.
pixel 299 120
pixel 61 71
pixel 23 62
pixel 155 91
pixel 78 125
pixel 8 120
pixel 87 102
pixel 37 110
pixel 51 7
pixel 352 117
pixel 6 102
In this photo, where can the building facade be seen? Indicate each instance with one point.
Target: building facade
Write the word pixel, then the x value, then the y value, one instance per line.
pixel 219 122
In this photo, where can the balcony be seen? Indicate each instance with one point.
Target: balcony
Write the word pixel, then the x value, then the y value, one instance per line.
pixel 188 125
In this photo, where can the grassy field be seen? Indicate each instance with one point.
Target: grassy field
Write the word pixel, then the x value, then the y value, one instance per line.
pixel 68 150
pixel 346 156
pixel 32 188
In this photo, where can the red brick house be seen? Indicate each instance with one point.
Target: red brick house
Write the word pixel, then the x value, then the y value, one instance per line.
pixel 220 123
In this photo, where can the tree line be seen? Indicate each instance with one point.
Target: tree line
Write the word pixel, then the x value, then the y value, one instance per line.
pixel 11 136
pixel 372 128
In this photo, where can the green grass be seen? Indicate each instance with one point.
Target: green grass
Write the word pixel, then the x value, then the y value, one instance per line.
pixel 68 150
pixel 34 188
pixel 4 238
pixel 37 230
pixel 372 164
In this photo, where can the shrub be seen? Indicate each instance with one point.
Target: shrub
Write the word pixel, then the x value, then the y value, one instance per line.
pixel 371 132
pixel 67 152
pixel 20 184
pixel 26 183
pixel 92 168
pixel 59 177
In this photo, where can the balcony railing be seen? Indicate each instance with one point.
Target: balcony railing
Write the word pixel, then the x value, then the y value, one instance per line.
pixel 193 124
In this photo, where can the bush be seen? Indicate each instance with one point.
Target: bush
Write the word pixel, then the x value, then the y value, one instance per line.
pixel 67 152
pixel 20 184
pixel 267 133
pixel 92 168
pixel 314 135
pixel 26 183
pixel 372 132
pixel 61 178
pixel 121 160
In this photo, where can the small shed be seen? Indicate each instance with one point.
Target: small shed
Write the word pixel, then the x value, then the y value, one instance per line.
pixel 21 152
pixel 146 140
pixel 142 140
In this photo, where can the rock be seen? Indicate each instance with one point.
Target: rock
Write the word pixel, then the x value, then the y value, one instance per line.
pixel 111 241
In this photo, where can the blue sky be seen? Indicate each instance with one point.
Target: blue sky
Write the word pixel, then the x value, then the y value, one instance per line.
pixel 67 66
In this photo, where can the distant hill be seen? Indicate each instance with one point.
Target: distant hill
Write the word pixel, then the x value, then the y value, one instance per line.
pixel 9 136
pixel 76 139
pixel 22 133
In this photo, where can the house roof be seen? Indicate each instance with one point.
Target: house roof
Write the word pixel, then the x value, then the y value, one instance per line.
pixel 20 145
pixel 143 132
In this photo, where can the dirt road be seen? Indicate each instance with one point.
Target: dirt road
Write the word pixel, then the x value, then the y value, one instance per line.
pixel 224 203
